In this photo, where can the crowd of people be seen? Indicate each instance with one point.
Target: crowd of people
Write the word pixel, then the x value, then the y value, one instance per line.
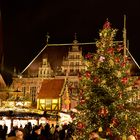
pixel 37 132
pixel 3 132
pixel 46 132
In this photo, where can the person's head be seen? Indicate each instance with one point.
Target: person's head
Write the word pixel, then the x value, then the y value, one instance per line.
pixel 57 127
pixel 19 134
pixel 37 129
pixel 131 137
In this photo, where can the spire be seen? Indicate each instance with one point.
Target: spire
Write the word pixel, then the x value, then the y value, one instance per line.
pixel 47 37
pixel 75 39
pixel 67 100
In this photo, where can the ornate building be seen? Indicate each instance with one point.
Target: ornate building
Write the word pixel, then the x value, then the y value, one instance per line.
pixel 45 70
pixel 74 62
pixel 53 64
pixel 67 66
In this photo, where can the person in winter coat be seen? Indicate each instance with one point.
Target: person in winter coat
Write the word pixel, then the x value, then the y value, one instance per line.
pixel 56 133
pixel 36 133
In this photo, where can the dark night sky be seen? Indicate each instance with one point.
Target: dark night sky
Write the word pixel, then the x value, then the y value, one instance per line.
pixel 26 22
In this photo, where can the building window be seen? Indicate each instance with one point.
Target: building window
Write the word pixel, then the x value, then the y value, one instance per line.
pixel 54 101
pixel 40 71
pixel 77 63
pixel 24 90
pixel 48 104
pixel 71 63
pixel 77 56
pixel 33 93
pixel 71 70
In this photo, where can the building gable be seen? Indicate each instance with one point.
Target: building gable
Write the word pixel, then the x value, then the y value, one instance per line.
pixel 51 88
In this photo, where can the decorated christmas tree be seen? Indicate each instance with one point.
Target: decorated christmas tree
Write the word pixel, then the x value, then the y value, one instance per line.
pixel 107 93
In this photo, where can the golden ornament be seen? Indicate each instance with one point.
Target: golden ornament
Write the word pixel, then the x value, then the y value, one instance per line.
pixel 129 88
pixel 100 129
pixel 103 82
pixel 126 117
pixel 105 34
pixel 67 101
pixel 111 62
pixel 119 74
pixel 111 125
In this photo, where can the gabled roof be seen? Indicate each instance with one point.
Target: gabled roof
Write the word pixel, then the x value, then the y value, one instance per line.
pixel 51 88
pixel 55 54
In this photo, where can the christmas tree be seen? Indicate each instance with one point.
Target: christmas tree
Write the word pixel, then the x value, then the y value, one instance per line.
pixel 107 95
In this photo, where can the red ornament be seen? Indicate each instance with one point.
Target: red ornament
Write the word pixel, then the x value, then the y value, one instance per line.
pixel 88 74
pixel 117 60
pixel 96 80
pixel 108 132
pixel 124 80
pixel 123 64
pixel 119 48
pixel 115 121
pixel 120 106
pixel 88 56
pixel 80 125
pixel 106 25
pixel 103 111
pixel 110 50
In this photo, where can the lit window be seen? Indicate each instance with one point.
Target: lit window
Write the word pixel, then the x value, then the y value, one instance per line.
pixel 55 101
pixel 42 101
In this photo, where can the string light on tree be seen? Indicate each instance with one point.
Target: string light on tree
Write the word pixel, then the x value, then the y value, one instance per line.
pixel 107 89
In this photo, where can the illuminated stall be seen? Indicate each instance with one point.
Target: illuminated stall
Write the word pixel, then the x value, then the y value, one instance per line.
pixel 19 117
pixel 49 98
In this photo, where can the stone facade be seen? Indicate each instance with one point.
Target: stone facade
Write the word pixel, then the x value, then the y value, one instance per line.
pixel 30 82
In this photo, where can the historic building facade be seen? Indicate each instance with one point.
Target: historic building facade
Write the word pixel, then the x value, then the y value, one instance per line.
pixel 49 68
pixel 32 80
